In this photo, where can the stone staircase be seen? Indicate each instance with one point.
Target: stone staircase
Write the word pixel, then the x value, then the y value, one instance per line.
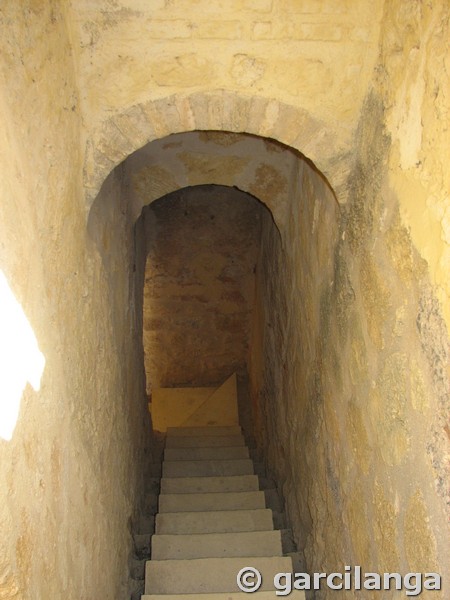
pixel 212 520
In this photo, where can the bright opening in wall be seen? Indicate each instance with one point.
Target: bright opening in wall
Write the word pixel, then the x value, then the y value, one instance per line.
pixel 21 361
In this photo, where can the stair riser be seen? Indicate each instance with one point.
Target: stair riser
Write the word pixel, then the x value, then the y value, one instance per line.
pixel 227 453
pixel 216 545
pixel 205 468
pixel 170 503
pixel 205 441
pixel 209 574
pixel 203 431
pixel 196 485
pixel 214 522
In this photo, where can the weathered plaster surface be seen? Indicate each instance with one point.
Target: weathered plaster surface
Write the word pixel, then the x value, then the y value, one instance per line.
pixel 199 285
pixel 261 167
pixel 70 472
pixel 294 72
pixel 364 383
pixel 414 83
pixel 131 48
pixel 349 359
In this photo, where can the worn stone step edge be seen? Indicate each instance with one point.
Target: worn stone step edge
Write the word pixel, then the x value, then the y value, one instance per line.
pixel 170 503
pixel 226 441
pixel 207 468
pixel 237 483
pixel 230 521
pixel 206 453
pixel 200 575
pixel 203 431
pixel 216 545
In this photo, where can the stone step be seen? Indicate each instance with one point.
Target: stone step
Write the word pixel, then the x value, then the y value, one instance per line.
pixel 212 519
pixel 217 545
pixel 207 468
pixel 175 503
pixel 194 441
pixel 201 575
pixel 270 595
pixel 207 453
pixel 195 485
pixel 203 431
pixel 230 521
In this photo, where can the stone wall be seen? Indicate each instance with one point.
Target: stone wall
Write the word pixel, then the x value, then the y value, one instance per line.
pixel 199 285
pixel 71 469
pixel 295 271
pixel 318 52
pixel 294 72
pixel 412 80
pixel 350 384
pixel 306 91
pixel 353 411
pixel 261 167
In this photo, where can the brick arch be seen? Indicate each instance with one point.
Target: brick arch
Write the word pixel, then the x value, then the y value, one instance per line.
pixel 131 129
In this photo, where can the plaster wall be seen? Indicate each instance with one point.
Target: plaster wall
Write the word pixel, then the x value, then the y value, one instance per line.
pixel 413 82
pixel 295 72
pixel 360 432
pixel 72 466
pixel 353 411
pixel 147 70
pixel 261 167
pixel 199 285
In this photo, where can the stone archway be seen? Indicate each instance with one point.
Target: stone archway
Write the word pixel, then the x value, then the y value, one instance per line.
pixel 219 110
pixel 258 166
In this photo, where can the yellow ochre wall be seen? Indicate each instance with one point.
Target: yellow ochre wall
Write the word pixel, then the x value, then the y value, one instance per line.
pixel 358 87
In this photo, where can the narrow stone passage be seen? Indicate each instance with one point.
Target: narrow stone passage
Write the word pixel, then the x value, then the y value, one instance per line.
pixel 213 519
pixel 192 189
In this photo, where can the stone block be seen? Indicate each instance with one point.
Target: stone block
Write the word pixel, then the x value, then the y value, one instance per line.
pixel 170 503
pixel 207 468
pixel 230 521
pixel 184 485
pixel 208 574
pixel 217 545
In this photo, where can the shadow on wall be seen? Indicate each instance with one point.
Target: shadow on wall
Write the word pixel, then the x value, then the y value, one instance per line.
pixel 202 248
pixel 21 361
pixel 261 169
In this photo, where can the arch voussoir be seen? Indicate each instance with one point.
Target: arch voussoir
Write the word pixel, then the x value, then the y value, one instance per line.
pixel 207 110
pixel 218 110
pixel 236 110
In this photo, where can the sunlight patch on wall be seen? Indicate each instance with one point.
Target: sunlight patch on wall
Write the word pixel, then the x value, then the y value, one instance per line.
pixel 21 361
